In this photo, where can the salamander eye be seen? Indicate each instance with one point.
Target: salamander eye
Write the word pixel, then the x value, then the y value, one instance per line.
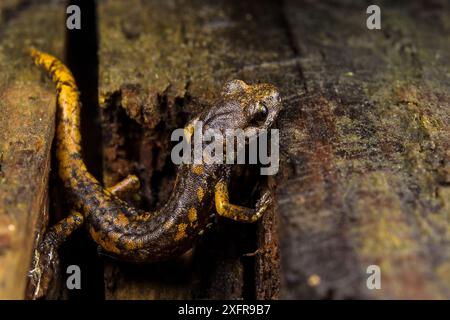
pixel 261 112
pixel 262 109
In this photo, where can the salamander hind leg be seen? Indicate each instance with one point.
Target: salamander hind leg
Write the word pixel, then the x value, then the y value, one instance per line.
pixel 239 213
pixel 46 260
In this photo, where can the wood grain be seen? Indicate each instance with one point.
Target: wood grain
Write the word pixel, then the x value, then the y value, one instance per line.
pixel 367 152
pixel 27 110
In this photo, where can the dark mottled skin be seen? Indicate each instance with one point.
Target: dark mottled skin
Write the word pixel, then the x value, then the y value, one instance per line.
pixel 131 234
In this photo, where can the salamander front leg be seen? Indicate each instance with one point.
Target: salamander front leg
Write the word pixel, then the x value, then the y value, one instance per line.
pixel 239 213
pixel 46 260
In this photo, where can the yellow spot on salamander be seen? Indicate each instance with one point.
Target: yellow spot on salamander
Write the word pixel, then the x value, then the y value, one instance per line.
pixel 221 198
pixel 108 242
pixel 192 214
pixel 197 169
pixel 122 220
pixel 200 194
pixel 181 233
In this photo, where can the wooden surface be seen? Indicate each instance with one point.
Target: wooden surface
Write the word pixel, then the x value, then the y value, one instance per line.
pixel 365 173
pixel 27 109
pixel 367 152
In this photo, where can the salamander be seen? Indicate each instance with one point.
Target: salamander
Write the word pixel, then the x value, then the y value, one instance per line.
pixel 128 233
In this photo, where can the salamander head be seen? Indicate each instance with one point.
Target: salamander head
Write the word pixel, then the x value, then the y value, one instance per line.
pixel 243 106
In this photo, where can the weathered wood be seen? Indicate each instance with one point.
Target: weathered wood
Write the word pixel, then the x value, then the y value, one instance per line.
pixel 365 137
pixel 27 109
pixel 367 152
pixel 156 57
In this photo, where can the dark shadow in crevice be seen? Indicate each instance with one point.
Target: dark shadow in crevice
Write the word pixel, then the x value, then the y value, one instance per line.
pixel 82 59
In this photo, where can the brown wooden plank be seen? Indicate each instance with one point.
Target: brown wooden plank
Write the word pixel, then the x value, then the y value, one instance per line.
pixel 27 109
pixel 367 160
